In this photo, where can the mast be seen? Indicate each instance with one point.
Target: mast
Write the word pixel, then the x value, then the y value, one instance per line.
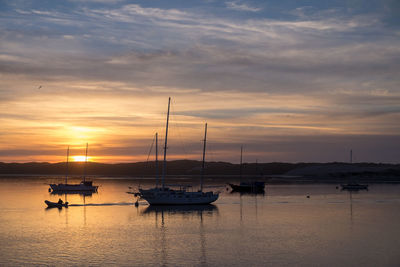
pixel 66 172
pixel 84 167
pixel 165 147
pixel 157 178
pixel 351 156
pixel 204 157
pixel 241 156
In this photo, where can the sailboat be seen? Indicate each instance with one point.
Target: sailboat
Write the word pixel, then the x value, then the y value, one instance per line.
pixel 352 185
pixel 248 187
pixel 166 196
pixel 83 186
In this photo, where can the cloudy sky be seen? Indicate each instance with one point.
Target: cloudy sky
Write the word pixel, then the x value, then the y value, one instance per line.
pixel 293 81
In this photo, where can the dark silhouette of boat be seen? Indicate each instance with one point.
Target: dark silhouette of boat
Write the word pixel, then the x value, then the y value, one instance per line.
pixel 83 186
pixel 248 187
pixel 58 204
pixel 354 186
pixel 167 196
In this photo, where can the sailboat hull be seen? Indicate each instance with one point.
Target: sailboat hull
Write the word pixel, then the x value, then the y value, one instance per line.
pixel 191 201
pixel 177 197
pixel 254 187
pixel 354 187
pixel 166 196
pixel 84 186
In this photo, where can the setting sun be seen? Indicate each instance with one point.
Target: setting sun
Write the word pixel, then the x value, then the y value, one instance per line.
pixel 79 158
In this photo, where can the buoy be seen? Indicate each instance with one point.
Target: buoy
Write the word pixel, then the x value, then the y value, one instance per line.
pixel 49 189
pixel 308 196
pixel 136 203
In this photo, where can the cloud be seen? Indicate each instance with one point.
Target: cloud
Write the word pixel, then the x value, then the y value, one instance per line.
pixel 235 5
pixel 98 1
pixel 131 12
pixel 254 77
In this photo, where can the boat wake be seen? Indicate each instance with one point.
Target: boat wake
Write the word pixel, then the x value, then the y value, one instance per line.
pixel 103 204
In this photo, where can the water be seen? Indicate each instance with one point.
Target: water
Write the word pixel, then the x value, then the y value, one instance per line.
pixel 282 227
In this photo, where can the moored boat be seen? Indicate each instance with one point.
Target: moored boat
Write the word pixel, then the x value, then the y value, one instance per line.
pixel 166 196
pixel 83 186
pixel 247 187
pixel 253 187
pixel 354 186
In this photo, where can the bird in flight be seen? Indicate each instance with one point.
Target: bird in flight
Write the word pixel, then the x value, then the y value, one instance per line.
pixel 39 87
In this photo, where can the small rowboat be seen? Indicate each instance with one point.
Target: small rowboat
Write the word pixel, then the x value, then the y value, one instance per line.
pixel 56 204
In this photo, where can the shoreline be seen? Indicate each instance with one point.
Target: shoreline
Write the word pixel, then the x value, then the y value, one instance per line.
pixel 273 179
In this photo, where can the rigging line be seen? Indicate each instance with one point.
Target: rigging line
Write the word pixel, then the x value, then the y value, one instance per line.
pixel 210 150
pixel 151 148
pixel 175 122
pixel 148 155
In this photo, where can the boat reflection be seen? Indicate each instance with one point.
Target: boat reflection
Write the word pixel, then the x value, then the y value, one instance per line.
pixel 83 193
pixel 262 193
pixel 181 209
pixel 196 212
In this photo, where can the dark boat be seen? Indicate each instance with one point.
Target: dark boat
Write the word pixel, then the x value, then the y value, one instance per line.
pixel 84 186
pixel 56 204
pixel 248 187
pixel 167 196
pixel 354 186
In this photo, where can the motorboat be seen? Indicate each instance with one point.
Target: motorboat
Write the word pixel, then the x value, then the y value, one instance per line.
pixel 56 204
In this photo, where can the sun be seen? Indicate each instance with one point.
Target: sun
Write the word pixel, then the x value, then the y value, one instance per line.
pixel 79 158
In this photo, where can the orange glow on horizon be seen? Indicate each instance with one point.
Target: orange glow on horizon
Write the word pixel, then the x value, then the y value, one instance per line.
pixel 80 158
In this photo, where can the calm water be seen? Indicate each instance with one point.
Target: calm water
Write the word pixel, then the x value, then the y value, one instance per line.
pixel 282 227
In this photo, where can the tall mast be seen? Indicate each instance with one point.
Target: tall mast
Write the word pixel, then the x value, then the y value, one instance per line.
pixel 84 167
pixel 351 156
pixel 157 178
pixel 66 172
pixel 165 147
pixel 241 155
pixel 204 157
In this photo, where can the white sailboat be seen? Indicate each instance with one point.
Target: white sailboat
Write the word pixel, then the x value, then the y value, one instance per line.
pixel 166 196
pixel 83 186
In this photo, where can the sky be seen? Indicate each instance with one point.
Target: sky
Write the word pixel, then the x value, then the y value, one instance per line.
pixel 291 81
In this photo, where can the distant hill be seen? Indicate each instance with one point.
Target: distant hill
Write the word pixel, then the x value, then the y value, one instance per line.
pixel 178 167
pixel 274 171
